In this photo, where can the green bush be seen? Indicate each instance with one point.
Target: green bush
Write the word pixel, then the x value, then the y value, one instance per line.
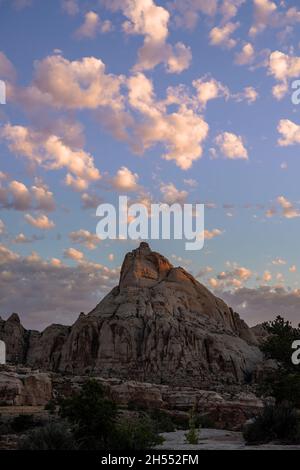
pixel 192 436
pixel 91 415
pixel 54 436
pixel 135 434
pixel 278 345
pixel 275 423
pixel 162 420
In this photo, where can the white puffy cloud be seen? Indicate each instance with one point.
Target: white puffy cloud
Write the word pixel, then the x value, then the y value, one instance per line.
pixel 76 84
pixel 267 276
pixel 289 211
pixel 41 222
pixel 146 18
pixel 210 234
pixel 232 146
pixel 16 195
pixel 86 238
pixel 263 15
pixel 171 194
pixel 92 25
pixel 125 180
pixel 283 68
pixel 20 194
pixel 268 14
pixel 209 89
pixel 43 198
pixel 246 56
pixel 221 35
pixel 75 255
pixel 22 238
pixel 182 131
pixel 249 94
pixel 229 8
pixel 52 153
pixel 290 133
pixel 187 12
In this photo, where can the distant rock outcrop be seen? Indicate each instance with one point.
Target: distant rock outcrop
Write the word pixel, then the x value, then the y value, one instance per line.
pixel 158 325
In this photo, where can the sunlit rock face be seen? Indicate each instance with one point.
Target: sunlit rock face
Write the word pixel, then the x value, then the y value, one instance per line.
pixel 158 325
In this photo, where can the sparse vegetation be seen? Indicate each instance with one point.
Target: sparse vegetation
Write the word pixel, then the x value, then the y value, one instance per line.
pixel 284 382
pixel 275 423
pixel 54 436
pixel 96 424
pixel 192 436
pixel 163 421
pixel 136 434
pixel 279 422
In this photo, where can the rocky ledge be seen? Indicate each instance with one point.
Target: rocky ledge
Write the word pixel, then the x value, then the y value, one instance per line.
pixel 159 325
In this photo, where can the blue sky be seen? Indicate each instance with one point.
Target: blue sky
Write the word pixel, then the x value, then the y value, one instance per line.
pixel 178 101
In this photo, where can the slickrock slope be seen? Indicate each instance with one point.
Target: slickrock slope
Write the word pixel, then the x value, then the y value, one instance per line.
pixel 158 325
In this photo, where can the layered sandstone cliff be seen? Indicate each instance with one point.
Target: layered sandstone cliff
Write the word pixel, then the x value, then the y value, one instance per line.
pixel 159 325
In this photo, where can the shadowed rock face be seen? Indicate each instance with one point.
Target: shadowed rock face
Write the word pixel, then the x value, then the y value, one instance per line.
pixel 159 325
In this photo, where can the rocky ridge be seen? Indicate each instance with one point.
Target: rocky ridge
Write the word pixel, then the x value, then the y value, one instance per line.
pixel 158 325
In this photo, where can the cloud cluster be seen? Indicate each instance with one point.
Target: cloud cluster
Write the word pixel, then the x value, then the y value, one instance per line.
pixel 125 180
pixel 221 35
pixel 283 68
pixel 268 14
pixel 50 152
pixel 234 278
pixel 288 209
pixel 146 18
pixel 290 133
pixel 93 25
pixel 182 131
pixel 263 303
pixel 46 292
pixel 172 195
pixel 86 238
pixel 16 195
pixel 246 56
pixel 42 222
pixel 231 146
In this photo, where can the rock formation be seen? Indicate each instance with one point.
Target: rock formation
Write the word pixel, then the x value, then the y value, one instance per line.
pixel 158 325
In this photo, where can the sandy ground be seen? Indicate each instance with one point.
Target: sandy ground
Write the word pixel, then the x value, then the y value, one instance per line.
pixel 214 439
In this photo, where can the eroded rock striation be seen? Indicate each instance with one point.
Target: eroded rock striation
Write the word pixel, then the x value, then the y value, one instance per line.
pixel 158 325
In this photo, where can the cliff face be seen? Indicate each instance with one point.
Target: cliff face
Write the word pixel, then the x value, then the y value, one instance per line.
pixel 159 325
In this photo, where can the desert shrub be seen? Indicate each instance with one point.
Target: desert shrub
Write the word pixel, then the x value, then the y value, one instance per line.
pixel 278 345
pixel 51 407
pixel 91 415
pixel 192 436
pixel 283 386
pixel 275 423
pixel 284 383
pixel 162 420
pixel 54 436
pixel 135 434
pixel 22 423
